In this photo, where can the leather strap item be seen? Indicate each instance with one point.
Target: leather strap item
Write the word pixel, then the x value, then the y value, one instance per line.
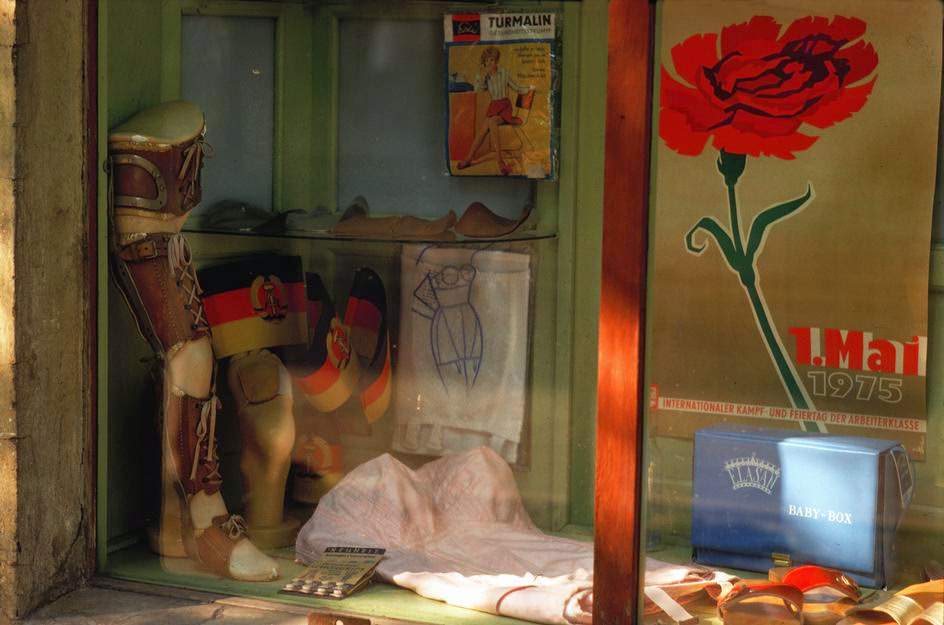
pixel 908 606
pixel 671 606
pixel 151 247
pixel 791 596
pixel 931 616
pixel 215 544
pixel 900 608
pixel 811 577
pixel 146 182
pixel 195 444
pixel 158 280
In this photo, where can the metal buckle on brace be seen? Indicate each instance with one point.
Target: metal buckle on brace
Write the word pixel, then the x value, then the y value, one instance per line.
pixel 781 559
pixel 145 250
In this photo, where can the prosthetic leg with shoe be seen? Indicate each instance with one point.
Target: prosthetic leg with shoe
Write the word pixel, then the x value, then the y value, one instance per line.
pixel 253 303
pixel 155 160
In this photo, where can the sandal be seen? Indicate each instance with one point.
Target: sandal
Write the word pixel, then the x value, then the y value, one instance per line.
pixel 920 604
pixel 764 602
pixel 672 590
pixel 805 594
pixel 828 593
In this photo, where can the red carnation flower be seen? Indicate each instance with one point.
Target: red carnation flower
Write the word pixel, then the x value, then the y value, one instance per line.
pixel 754 95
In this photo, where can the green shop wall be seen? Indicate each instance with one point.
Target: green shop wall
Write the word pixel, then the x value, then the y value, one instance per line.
pixel 140 43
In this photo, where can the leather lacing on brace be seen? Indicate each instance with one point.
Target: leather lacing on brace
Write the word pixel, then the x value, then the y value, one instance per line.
pixel 206 435
pixel 181 267
pixel 235 526
pixel 189 175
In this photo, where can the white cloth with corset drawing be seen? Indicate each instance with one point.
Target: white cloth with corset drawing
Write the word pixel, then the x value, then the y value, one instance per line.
pixel 455 530
pixel 462 359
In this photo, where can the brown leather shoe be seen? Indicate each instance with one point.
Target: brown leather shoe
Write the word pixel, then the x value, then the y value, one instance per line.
pixel 357 222
pixel 479 222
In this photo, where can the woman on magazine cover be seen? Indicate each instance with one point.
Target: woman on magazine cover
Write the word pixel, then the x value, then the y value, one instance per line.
pixel 497 81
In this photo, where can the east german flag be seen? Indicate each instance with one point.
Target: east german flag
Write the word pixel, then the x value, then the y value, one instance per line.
pixel 366 315
pixel 331 371
pixel 255 302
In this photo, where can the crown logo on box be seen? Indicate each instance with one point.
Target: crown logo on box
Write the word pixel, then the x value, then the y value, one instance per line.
pixel 752 473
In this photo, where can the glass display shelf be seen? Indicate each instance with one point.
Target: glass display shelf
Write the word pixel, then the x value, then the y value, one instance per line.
pixel 377 601
pixel 517 236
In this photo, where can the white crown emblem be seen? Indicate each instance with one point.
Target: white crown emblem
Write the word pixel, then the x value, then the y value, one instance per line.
pixel 752 473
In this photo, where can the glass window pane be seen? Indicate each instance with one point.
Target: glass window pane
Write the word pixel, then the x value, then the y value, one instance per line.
pixel 412 371
pixel 392 125
pixel 793 326
pixel 227 67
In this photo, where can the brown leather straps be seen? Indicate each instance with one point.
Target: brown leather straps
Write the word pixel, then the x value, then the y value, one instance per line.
pixel 158 181
pixel 810 577
pixel 157 276
pixel 731 608
pixel 215 544
pixel 193 426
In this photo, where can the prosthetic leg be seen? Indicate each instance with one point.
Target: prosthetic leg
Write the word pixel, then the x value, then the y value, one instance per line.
pixel 263 392
pixel 255 302
pixel 155 161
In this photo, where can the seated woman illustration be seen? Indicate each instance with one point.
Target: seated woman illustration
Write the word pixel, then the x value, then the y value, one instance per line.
pixel 497 81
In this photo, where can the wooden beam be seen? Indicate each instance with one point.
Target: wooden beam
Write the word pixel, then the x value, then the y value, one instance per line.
pixel 622 314
pixel 91 275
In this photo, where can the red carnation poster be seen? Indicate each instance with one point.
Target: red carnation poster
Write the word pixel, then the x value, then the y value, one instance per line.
pixel 794 172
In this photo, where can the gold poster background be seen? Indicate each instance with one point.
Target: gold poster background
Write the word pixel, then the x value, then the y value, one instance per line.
pixel 856 257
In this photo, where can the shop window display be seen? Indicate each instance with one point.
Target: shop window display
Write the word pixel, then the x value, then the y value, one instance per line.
pixel 351 350
pixel 355 240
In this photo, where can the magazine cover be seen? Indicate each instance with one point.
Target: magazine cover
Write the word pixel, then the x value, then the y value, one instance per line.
pixel 501 88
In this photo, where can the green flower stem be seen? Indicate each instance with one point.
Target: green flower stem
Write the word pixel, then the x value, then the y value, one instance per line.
pixel 731 166
pixel 735 228
pixel 786 374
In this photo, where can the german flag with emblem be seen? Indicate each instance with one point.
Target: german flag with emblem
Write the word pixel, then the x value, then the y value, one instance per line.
pixel 255 302
pixel 331 371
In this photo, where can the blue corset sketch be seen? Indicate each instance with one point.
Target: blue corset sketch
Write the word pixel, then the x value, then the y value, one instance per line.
pixel 455 332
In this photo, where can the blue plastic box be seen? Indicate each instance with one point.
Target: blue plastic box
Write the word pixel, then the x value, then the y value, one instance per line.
pixel 765 497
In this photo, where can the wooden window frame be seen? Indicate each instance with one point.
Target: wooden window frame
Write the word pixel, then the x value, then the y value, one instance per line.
pixel 620 385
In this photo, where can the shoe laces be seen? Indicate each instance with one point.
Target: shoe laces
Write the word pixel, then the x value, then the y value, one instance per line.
pixel 181 267
pixel 189 174
pixel 235 526
pixel 206 436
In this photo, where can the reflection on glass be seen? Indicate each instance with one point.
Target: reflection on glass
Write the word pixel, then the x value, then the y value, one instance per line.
pixel 793 424
pixel 349 351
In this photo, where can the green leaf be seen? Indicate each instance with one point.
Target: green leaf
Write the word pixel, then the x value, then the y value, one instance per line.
pixel 713 228
pixel 771 215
